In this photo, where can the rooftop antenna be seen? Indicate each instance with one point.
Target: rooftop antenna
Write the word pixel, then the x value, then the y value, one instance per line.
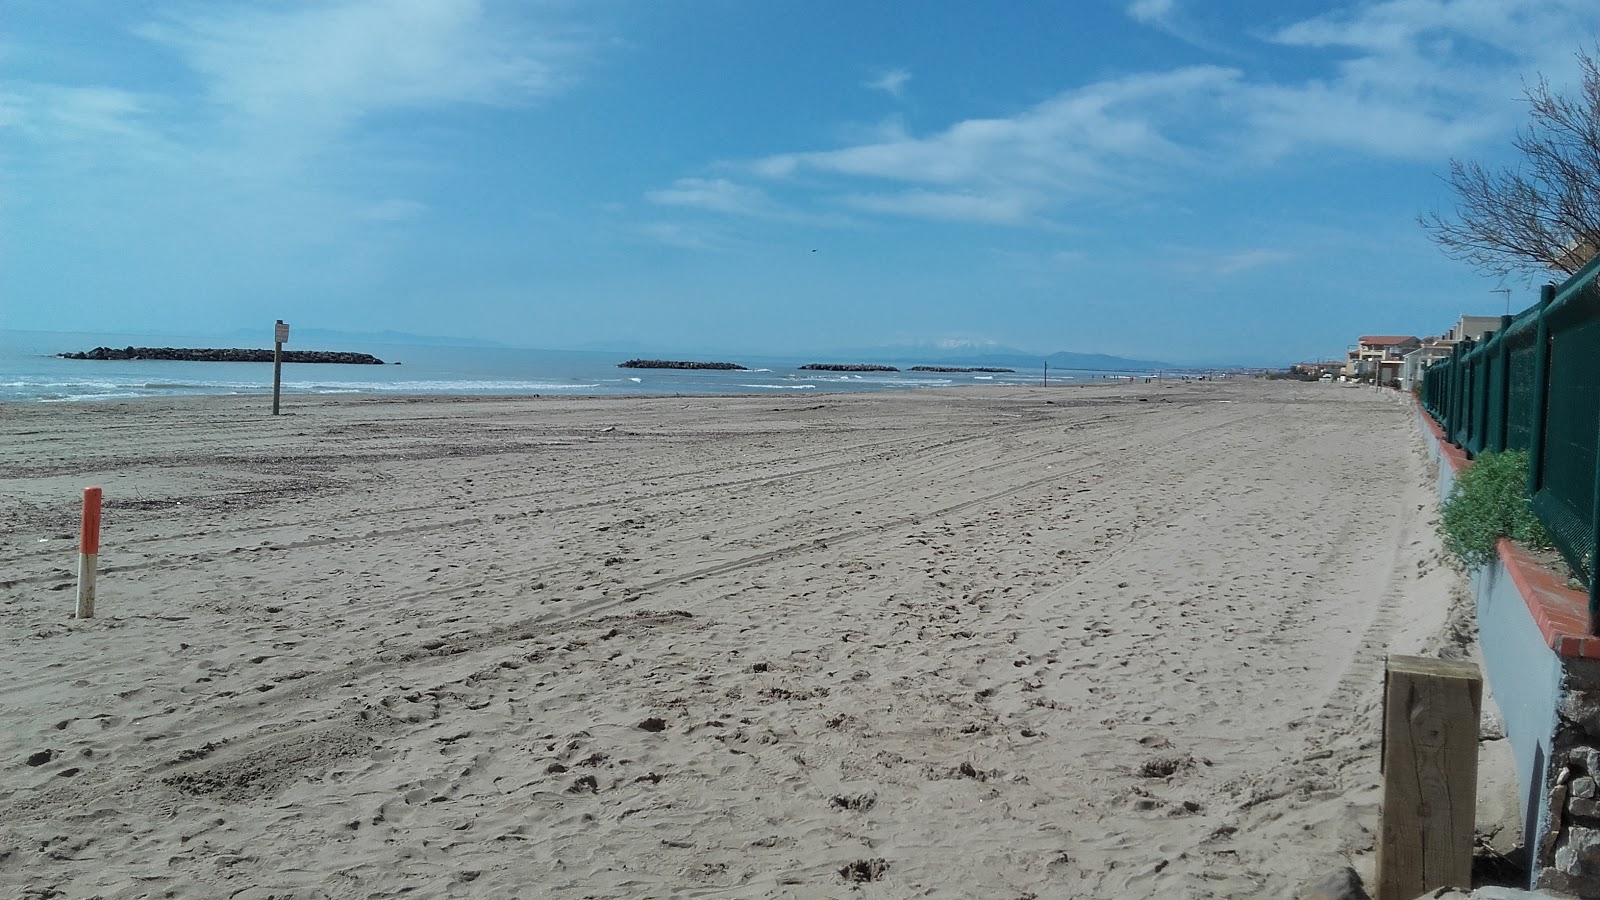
pixel 1507 292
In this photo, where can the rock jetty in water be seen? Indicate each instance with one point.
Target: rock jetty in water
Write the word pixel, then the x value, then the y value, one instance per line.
pixel 959 369
pixel 846 367
pixel 679 364
pixel 209 354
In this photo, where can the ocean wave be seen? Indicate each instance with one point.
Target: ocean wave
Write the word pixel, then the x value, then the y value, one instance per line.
pixel 105 385
pixel 201 386
pixel 29 377
pixel 430 387
pixel 76 398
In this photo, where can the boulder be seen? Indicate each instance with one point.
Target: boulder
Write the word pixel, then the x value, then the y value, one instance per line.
pixel 1340 884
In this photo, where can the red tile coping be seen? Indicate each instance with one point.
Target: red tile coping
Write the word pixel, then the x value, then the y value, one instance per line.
pixel 1561 613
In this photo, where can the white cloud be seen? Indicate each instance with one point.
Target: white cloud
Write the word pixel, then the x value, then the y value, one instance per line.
pixel 1061 143
pixel 228 145
pixel 1152 12
pixel 100 128
pixel 722 195
pixel 893 82
pixel 47 111
pixel 993 209
pixel 1285 119
pixel 1245 260
pixel 686 237
pixel 1400 79
pixel 1166 16
pixel 1399 26
pixel 1093 141
pixel 394 210
pixel 277 101
pixel 716 194
pixel 302 73
pixel 1422 79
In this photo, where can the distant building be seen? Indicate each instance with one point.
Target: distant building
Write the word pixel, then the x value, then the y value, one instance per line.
pixel 1430 351
pixel 1575 255
pixel 1379 357
pixel 1470 328
pixel 1317 369
pixel 1413 364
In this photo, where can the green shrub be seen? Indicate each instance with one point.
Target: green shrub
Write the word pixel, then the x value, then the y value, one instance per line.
pixel 1489 501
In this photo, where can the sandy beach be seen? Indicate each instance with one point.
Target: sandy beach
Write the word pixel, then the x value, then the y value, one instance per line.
pixel 1098 641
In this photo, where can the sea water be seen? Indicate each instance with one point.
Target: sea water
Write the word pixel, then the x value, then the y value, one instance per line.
pixel 31 372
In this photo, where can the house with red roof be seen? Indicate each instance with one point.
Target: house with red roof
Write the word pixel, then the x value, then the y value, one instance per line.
pixel 1379 357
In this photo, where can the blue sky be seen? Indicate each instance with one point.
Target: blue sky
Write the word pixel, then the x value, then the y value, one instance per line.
pixel 1197 182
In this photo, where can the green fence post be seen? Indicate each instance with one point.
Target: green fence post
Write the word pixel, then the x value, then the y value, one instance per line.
pixel 1594 544
pixel 1457 386
pixel 1441 388
pixel 1482 404
pixel 1502 430
pixel 1541 390
pixel 1448 395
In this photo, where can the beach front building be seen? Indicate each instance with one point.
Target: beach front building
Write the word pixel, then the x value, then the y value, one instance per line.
pixel 1317 369
pixel 1432 350
pixel 1379 357
pixel 1413 364
pixel 1471 328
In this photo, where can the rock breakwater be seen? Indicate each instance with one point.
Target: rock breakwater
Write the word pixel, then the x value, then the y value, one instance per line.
pixel 234 354
pixel 679 364
pixel 846 367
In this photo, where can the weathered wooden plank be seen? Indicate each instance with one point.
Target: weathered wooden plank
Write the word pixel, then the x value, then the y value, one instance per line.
pixel 1430 774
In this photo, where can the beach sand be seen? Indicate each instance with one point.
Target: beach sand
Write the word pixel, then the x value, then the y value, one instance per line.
pixel 1100 641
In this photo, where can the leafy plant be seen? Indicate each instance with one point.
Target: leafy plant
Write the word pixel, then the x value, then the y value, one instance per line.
pixel 1488 502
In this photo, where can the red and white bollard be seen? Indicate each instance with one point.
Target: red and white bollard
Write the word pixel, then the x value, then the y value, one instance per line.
pixel 88 551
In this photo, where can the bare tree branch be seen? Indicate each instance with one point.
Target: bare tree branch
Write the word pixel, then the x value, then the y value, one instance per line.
pixel 1543 215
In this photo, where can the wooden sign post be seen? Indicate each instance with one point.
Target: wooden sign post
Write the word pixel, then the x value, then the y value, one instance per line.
pixel 280 336
pixel 1430 775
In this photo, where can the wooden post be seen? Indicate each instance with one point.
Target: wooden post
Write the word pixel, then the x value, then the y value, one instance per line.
pixel 1047 373
pixel 280 333
pixel 1430 775
pixel 88 551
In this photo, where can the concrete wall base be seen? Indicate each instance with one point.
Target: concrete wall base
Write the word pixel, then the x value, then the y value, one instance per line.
pixel 1538 660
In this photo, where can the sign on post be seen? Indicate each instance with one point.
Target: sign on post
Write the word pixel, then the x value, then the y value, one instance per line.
pixel 280 335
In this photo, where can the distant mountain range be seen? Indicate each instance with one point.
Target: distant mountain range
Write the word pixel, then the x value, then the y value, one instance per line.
pixel 300 335
pixel 964 354
pixel 1010 357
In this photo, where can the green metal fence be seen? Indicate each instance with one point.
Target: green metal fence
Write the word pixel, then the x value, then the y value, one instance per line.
pixel 1534 384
